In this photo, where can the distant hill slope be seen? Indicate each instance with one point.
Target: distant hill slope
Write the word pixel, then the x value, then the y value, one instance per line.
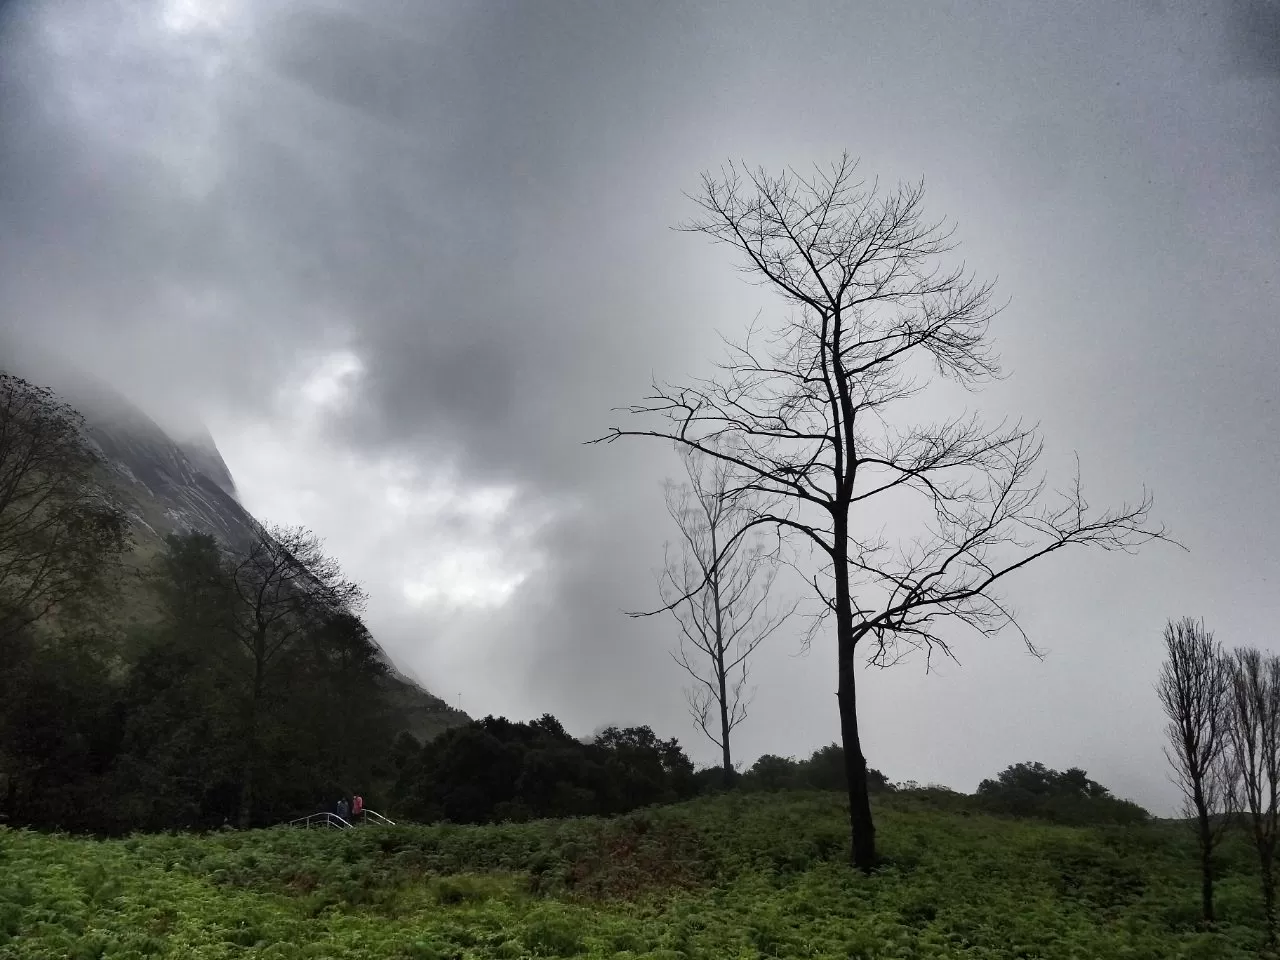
pixel 176 487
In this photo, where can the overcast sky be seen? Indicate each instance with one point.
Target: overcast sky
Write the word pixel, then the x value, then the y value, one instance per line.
pixel 403 257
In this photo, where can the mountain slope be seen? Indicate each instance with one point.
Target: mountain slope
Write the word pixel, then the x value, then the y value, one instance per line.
pixel 174 488
pixel 171 487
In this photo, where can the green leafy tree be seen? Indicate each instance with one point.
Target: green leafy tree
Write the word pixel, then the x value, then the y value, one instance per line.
pixel 825 770
pixel 62 532
pixel 178 761
pixel 1034 790
pixel 496 769
pixel 62 535
pixel 64 721
pixel 333 731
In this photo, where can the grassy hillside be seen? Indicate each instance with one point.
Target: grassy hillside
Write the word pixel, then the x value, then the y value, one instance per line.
pixel 738 876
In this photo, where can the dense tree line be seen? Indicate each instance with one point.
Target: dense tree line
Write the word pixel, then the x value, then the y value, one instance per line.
pixel 823 770
pixel 163 725
pixel 496 769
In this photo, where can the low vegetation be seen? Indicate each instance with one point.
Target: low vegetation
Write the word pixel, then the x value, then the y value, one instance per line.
pixel 738 875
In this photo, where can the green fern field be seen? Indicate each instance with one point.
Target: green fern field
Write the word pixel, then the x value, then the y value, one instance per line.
pixel 746 876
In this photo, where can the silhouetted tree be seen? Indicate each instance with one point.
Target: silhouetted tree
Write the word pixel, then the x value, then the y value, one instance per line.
pixel 62 721
pixel 181 752
pixel 284 584
pixel 801 418
pixel 1034 790
pixel 643 769
pixel 720 597
pixel 772 772
pixel 61 530
pixel 331 725
pixel 1254 732
pixel 824 770
pixel 495 769
pixel 62 535
pixel 1194 687
pixel 194 591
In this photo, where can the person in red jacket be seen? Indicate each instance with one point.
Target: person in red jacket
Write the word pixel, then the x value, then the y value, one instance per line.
pixel 357 806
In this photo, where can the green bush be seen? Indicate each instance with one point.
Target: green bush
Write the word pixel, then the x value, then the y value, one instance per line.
pixel 550 933
pixel 1034 790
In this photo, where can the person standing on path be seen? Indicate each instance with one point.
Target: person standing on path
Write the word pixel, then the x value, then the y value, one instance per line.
pixel 357 806
pixel 343 810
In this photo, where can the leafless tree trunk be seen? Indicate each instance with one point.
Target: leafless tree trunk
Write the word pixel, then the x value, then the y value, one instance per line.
pixel 719 598
pixel 1194 689
pixel 1255 741
pixel 285 584
pixel 802 417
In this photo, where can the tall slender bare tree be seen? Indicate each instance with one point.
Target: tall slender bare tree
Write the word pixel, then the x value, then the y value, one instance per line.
pixel 803 417
pixel 1194 690
pixel 720 598
pixel 1255 740
pixel 284 584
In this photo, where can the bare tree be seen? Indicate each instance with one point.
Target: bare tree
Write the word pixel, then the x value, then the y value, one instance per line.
pixel 803 418
pixel 1255 740
pixel 60 527
pixel 719 598
pixel 1194 689
pixel 285 584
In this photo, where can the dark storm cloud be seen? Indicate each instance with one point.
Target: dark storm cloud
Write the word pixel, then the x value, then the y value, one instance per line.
pixel 1254 31
pixel 201 199
pixel 469 267
pixel 396 179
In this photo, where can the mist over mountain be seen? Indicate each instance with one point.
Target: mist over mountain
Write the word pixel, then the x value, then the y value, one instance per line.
pixel 176 484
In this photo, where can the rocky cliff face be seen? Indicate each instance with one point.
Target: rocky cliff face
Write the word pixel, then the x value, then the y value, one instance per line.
pixel 171 487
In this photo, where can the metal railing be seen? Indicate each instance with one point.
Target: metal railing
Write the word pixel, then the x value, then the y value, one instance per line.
pixel 322 819
pixel 327 819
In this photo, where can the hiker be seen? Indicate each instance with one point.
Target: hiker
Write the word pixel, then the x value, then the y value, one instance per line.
pixel 343 810
pixel 357 806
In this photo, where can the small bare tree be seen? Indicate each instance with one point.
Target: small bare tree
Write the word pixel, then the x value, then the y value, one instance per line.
pixel 285 584
pixel 1255 740
pixel 1194 690
pixel 60 526
pixel 804 419
pixel 720 598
